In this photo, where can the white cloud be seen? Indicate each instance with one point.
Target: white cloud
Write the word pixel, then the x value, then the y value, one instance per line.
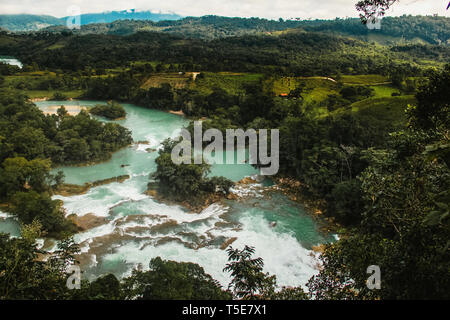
pixel 272 9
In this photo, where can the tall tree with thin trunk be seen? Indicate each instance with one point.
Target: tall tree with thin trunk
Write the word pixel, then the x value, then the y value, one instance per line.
pixel 371 9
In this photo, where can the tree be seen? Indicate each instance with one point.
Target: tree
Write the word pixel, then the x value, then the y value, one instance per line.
pixel 373 8
pixel 112 110
pixel 106 287
pixel 61 112
pixel 248 282
pixel 171 280
pixel 25 277
pixel 30 206
pixel 297 93
pixel 404 228
pixel 186 182
pixel 58 96
pixel 29 143
pixel 19 174
pixel 433 103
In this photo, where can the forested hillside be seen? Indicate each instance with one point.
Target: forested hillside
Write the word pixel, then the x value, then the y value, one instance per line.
pixel 31 22
pixel 27 22
pixel 299 53
pixel 394 30
pixel 415 29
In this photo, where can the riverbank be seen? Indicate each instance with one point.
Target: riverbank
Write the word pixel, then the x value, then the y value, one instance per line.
pixel 39 99
pixel 68 190
pixel 292 188
pixel 71 110
pixel 178 113
pixel 249 187
pixel 91 163
pixel 204 203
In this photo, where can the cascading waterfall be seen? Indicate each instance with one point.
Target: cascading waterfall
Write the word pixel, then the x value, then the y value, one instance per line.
pixel 137 228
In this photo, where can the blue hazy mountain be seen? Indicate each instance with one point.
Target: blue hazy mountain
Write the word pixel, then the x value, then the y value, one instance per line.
pixel 31 22
pixel 110 16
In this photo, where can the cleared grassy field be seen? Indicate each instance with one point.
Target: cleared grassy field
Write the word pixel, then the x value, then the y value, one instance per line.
pixel 176 80
pixel 29 83
pixel 231 82
pixel 383 91
pixel 56 46
pixel 366 79
pixel 389 109
pixel 316 89
pixel 36 94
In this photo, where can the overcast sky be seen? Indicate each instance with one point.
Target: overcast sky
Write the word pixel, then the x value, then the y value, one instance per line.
pixel 271 9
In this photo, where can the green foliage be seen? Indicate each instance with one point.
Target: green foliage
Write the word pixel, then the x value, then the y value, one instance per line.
pixel 185 182
pixel 106 287
pixel 429 29
pixel 404 223
pixel 122 87
pixel 355 93
pixel 59 96
pixel 63 138
pixel 289 293
pixel 170 280
pixel 7 69
pixel 249 282
pixel 80 139
pixel 27 22
pixel 158 98
pixel 19 174
pixel 25 277
pixel 31 206
pixel 433 103
pixel 219 184
pixel 111 111
pixel 311 53
pixel 30 141
pixel 372 9
pixel 344 202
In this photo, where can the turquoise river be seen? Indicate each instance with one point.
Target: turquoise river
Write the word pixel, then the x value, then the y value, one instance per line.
pixel 135 227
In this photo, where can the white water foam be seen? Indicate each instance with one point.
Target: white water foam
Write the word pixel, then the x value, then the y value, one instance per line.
pixel 249 190
pixel 5 215
pixel 90 234
pixel 100 200
pixel 142 147
pixel 282 253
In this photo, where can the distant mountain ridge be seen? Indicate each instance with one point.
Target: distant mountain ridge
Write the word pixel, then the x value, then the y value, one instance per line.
pixel 30 22
pixel 111 16
pixel 394 30
pixel 27 22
